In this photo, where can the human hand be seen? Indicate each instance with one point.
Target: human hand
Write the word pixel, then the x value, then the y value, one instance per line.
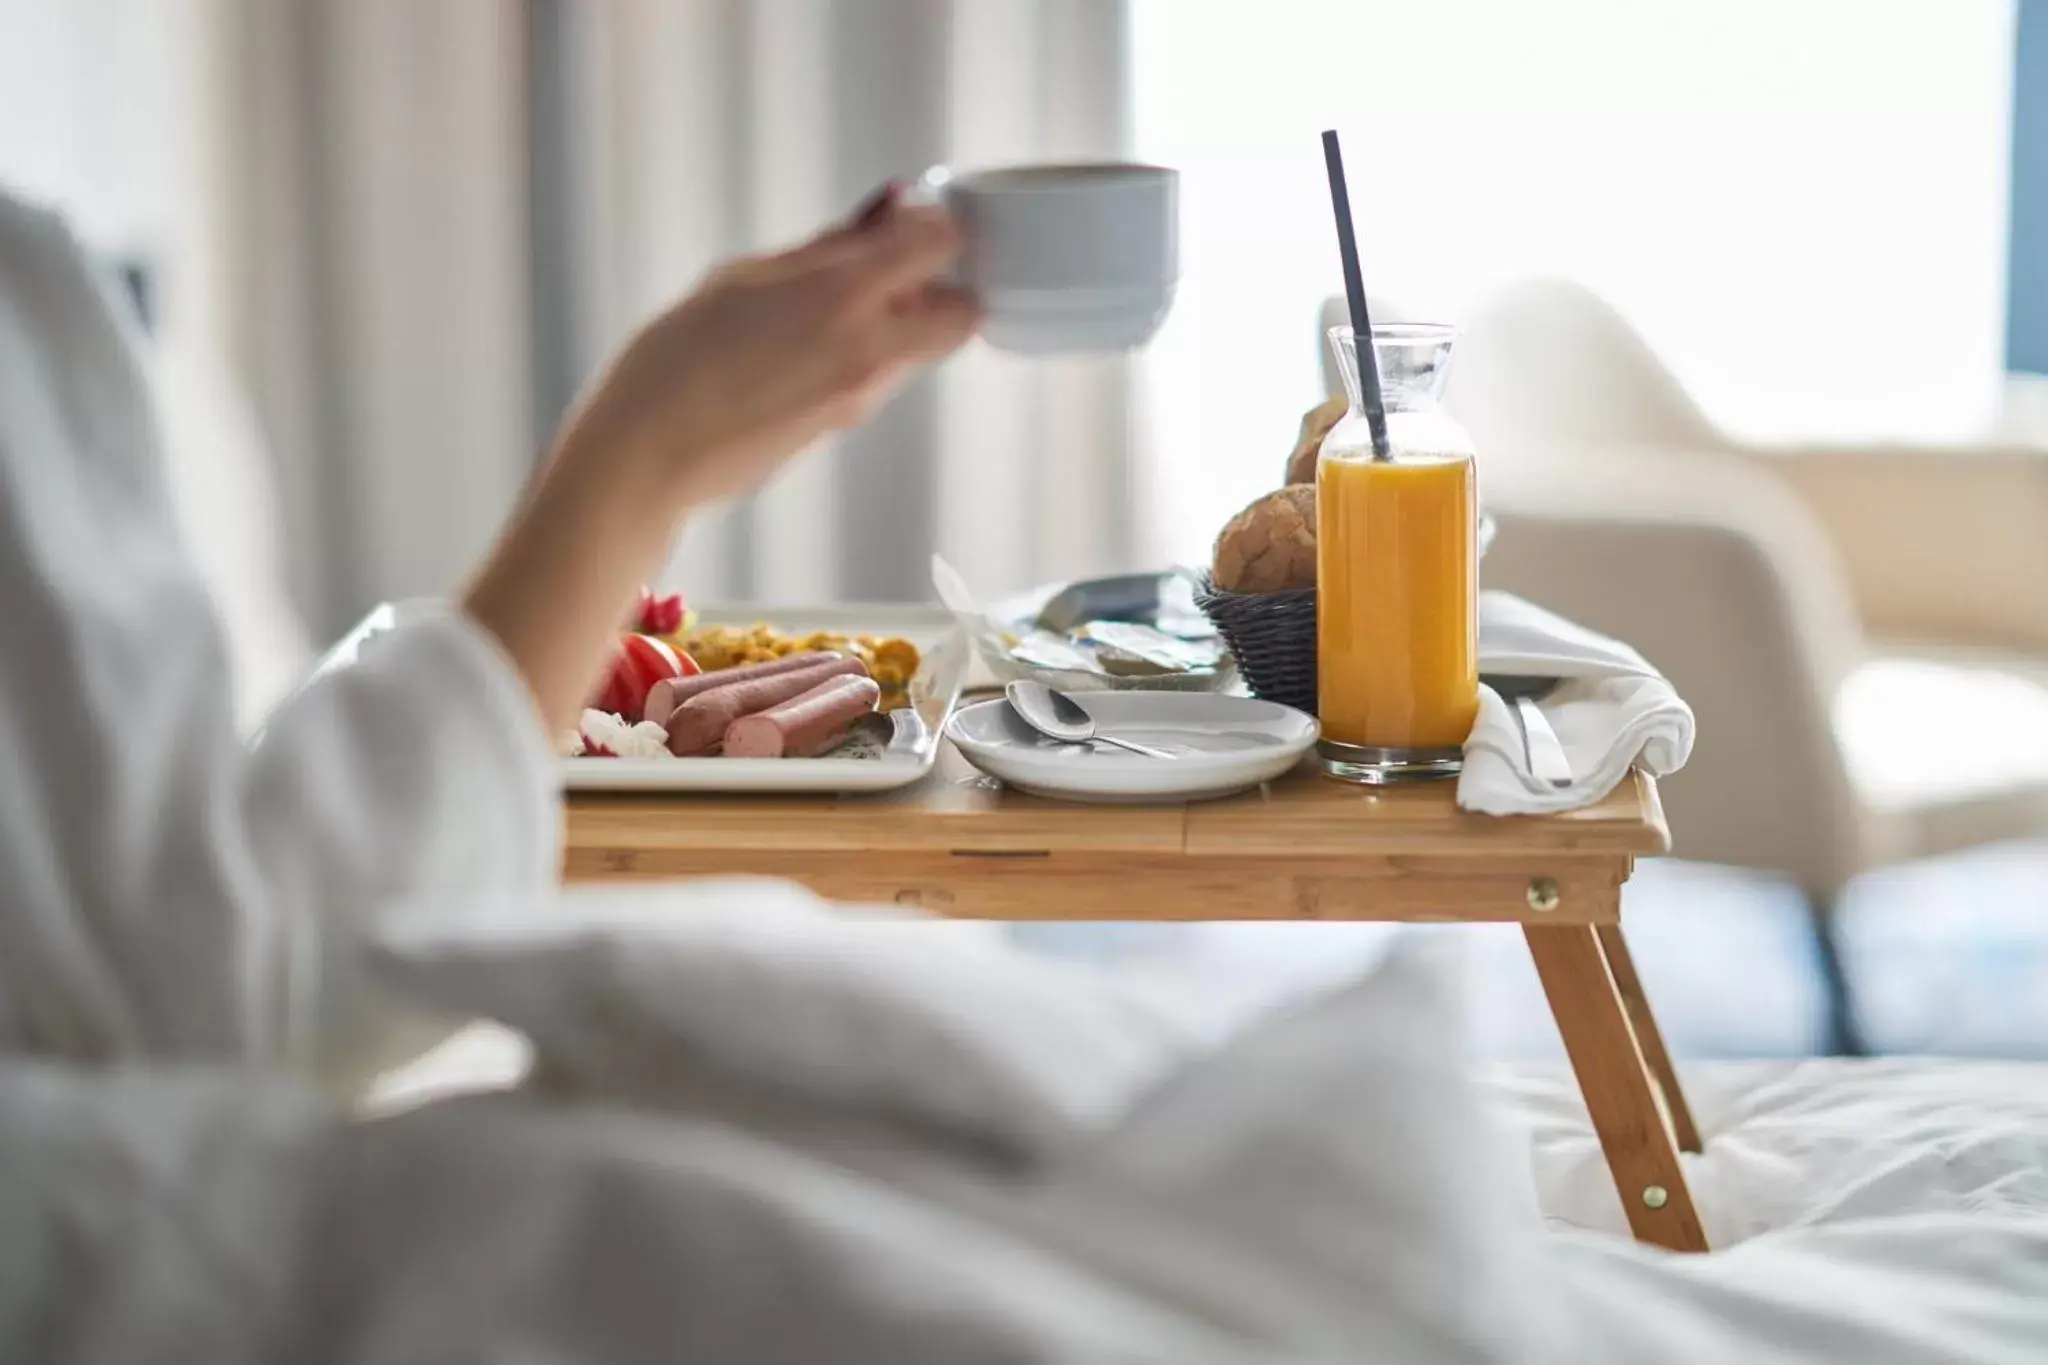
pixel 770 352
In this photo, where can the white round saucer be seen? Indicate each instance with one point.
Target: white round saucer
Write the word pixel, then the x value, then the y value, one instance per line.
pixel 1221 745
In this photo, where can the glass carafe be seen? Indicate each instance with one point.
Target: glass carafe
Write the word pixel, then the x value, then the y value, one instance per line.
pixel 1397 571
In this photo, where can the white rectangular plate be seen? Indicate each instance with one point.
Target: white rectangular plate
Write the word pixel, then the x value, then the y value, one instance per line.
pixel 913 747
pixel 918 729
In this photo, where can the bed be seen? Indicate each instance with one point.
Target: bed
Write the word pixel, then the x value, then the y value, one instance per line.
pixel 1325 1182
pixel 1789 1144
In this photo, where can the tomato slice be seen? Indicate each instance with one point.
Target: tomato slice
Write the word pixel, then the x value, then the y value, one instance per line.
pixel 640 662
pixel 650 660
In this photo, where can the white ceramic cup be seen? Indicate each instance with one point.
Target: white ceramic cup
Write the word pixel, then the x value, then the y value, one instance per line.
pixel 1068 258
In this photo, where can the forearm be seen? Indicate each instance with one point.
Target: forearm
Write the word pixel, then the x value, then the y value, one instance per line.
pixel 767 354
pixel 557 588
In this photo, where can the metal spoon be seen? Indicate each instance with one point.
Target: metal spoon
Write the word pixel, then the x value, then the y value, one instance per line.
pixel 1547 759
pixel 1058 716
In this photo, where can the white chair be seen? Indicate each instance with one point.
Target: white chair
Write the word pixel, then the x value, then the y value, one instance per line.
pixel 1862 631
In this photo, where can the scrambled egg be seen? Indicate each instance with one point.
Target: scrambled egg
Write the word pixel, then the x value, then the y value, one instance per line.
pixel 891 662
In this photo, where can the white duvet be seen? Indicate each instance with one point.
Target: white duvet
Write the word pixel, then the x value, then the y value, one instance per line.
pixel 1868 1211
pixel 1792 1144
pixel 1024 1164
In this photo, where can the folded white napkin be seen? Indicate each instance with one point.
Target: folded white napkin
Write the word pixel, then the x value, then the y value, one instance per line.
pixel 1613 711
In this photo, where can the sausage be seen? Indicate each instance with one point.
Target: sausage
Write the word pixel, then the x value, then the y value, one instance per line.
pixel 803 726
pixel 665 696
pixel 699 724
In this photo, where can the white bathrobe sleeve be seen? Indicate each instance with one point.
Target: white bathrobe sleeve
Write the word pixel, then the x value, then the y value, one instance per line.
pixel 166 890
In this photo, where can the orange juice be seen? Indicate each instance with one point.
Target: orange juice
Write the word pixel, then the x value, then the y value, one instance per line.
pixel 1397 579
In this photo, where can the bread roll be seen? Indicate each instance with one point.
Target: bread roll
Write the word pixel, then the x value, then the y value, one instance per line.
pixel 1271 545
pixel 1315 425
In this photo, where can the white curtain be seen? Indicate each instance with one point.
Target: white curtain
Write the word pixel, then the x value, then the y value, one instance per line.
pixel 436 219
pixel 369 270
pixel 698 128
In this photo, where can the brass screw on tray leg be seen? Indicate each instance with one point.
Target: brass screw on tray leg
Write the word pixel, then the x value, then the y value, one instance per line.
pixel 1542 895
pixel 1655 1196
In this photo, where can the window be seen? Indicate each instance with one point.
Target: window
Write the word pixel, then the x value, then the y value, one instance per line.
pixel 1800 203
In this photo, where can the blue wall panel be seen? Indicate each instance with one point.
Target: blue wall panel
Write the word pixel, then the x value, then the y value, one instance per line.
pixel 2026 313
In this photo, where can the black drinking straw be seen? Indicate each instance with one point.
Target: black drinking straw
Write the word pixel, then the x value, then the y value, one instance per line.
pixel 1354 292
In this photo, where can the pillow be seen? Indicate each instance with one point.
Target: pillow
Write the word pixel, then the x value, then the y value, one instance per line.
pixel 1336 1178
pixel 1325 1181
pixel 1325 1185
pixel 642 994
